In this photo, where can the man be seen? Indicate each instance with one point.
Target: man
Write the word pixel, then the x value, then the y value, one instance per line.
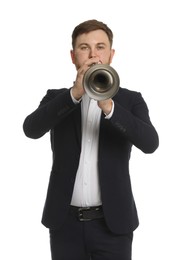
pixel 89 209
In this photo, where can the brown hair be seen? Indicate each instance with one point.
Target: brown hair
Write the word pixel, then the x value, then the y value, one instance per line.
pixel 91 25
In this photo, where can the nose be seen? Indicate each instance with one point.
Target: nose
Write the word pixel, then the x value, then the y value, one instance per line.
pixel 92 53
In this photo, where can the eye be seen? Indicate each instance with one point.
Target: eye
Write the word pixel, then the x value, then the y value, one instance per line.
pixel 101 47
pixel 84 47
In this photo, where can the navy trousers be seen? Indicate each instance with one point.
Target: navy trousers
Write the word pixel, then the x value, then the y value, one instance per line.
pixel 89 240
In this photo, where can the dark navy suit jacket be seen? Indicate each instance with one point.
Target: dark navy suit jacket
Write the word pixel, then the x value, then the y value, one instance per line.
pixel 129 125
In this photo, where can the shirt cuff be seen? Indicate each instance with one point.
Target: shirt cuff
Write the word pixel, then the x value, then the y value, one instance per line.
pixel 111 113
pixel 73 99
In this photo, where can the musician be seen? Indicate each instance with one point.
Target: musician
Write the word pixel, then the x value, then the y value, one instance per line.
pixel 90 210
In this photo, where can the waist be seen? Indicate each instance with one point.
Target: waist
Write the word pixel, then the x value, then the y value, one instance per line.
pixel 87 213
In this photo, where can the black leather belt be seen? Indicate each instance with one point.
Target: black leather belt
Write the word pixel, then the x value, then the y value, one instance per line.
pixel 87 213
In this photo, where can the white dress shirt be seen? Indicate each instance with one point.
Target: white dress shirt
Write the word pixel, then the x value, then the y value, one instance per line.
pixel 86 191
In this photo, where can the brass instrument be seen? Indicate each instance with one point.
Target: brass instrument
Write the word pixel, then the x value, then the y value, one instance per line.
pixel 101 82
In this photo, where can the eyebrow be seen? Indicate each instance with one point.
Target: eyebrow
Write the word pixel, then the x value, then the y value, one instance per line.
pixel 99 43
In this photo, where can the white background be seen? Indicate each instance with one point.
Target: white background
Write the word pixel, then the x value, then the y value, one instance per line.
pixel 35 40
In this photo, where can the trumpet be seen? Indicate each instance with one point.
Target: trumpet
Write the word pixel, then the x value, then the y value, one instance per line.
pixel 101 82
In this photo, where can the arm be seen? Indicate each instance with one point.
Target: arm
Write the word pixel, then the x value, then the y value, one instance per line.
pixel 133 121
pixel 56 105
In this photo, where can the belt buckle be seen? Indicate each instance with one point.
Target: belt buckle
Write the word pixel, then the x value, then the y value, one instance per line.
pixel 81 214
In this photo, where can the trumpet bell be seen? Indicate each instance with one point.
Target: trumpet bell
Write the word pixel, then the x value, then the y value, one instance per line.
pixel 101 82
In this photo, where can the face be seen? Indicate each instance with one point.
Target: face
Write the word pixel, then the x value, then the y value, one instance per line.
pixel 91 45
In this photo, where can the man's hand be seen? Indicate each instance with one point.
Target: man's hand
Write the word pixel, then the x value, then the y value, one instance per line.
pixel 78 89
pixel 106 105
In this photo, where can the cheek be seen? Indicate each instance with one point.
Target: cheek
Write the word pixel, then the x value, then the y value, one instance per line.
pixel 109 59
pixel 105 57
pixel 80 59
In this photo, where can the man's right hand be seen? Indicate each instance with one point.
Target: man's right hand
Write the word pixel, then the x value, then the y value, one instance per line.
pixel 78 89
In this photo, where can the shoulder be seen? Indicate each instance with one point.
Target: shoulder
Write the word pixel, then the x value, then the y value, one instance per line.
pixel 127 94
pixel 53 93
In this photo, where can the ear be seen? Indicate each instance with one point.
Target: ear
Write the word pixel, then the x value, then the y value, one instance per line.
pixel 72 56
pixel 112 55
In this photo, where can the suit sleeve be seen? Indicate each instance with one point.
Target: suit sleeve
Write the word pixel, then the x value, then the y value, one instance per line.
pixel 134 123
pixel 56 105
